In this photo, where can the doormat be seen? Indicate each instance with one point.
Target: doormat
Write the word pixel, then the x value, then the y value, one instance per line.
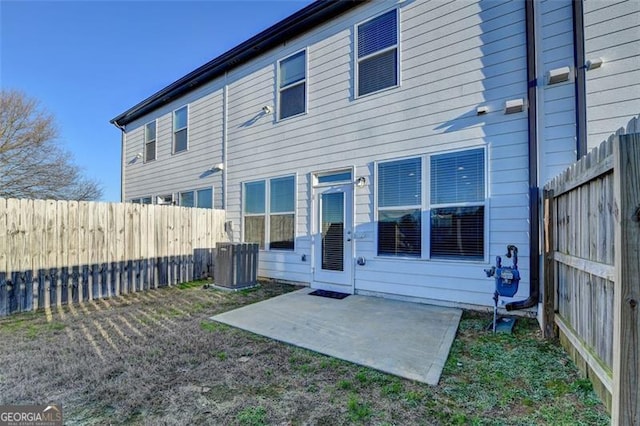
pixel 330 294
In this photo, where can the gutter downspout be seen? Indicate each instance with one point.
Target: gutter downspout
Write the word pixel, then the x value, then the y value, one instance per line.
pixel 122 141
pixel 580 83
pixel 534 191
pixel 225 135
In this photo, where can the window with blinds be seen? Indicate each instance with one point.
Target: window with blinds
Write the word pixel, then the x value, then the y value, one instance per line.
pixel 292 72
pixel 399 208
pixel 377 46
pixel 269 213
pixel 454 210
pixel 457 205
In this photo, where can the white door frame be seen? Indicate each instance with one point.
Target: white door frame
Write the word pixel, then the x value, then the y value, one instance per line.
pixel 341 281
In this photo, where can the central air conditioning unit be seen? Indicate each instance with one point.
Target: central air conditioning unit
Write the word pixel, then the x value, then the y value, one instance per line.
pixel 236 265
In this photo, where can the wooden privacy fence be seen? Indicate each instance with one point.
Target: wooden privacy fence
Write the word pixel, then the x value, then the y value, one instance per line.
pixel 58 252
pixel 592 270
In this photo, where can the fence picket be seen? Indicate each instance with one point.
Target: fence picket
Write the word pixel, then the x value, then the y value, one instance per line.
pixel 58 252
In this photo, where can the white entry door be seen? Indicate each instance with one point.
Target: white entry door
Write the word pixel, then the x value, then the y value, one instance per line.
pixel 333 239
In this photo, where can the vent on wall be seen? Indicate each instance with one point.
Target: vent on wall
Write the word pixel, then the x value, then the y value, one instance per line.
pixel 559 75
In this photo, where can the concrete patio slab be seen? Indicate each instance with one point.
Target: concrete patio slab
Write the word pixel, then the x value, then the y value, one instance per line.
pixel 406 339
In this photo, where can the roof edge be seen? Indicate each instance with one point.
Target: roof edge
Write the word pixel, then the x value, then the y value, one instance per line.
pixel 298 23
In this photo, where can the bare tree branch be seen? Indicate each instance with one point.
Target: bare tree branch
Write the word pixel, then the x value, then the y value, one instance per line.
pixel 32 163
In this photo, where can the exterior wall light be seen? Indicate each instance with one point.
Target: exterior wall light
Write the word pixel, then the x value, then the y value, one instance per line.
pixel 217 167
pixel 481 110
pixel 267 109
pixel 361 182
pixel 139 155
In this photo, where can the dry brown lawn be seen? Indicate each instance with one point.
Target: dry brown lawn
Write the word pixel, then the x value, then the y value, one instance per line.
pixel 156 358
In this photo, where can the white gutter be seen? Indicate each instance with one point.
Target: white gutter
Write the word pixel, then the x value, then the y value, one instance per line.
pixel 225 120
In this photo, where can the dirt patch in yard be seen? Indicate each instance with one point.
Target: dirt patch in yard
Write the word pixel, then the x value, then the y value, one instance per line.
pixel 155 358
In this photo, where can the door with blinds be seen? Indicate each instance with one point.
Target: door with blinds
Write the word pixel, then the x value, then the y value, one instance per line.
pixel 333 249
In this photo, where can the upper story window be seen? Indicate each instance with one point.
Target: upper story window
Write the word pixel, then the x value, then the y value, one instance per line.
pixel 292 78
pixel 150 141
pixel 377 61
pixel 180 120
pixel 269 213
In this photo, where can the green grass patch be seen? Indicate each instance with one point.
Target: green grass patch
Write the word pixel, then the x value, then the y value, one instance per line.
pixel 252 416
pixel 345 385
pixel 29 325
pixel 213 326
pixel 358 411
pixel 192 284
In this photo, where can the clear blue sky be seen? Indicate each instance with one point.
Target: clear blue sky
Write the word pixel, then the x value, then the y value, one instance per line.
pixel 88 61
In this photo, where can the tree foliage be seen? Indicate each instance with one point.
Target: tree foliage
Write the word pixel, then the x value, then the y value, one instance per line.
pixel 32 163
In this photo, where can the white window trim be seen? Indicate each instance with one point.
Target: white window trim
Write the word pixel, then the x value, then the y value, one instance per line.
pixel 195 196
pixel 316 175
pixel 145 142
pixel 426 207
pixel 377 208
pixel 174 130
pixel 267 211
pixel 305 82
pixel 356 60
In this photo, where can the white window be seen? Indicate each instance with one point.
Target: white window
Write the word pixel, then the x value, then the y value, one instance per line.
pixel 457 205
pixel 187 199
pixel 454 210
pixel 201 198
pixel 377 54
pixel 292 77
pixel 180 129
pixel 400 208
pixel 269 213
pixel 165 199
pixel 204 198
pixel 150 141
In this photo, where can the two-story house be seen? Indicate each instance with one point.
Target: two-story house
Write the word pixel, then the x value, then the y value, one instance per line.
pixel 391 147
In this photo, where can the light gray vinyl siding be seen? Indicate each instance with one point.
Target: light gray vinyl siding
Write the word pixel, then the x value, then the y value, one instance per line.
pixel 184 171
pixel 556 103
pixel 445 75
pixel 455 56
pixel 612 32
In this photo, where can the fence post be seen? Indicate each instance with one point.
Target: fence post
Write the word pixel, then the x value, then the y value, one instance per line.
pixel 625 407
pixel 550 292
